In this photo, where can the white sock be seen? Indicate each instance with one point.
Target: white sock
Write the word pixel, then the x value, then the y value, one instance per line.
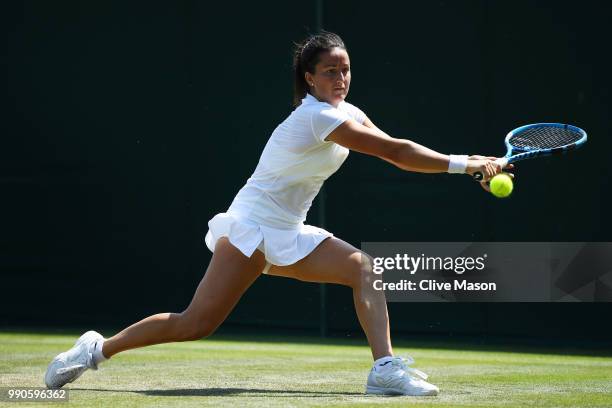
pixel 98 356
pixel 383 361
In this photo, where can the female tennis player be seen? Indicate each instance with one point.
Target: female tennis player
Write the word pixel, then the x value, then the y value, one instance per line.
pixel 263 229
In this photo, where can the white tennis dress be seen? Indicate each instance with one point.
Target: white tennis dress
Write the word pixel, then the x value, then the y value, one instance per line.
pixel 268 213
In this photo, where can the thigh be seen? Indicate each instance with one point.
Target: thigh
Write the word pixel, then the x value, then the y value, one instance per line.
pixel 333 261
pixel 229 275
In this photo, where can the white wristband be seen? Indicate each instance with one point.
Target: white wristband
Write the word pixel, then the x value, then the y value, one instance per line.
pixel 457 163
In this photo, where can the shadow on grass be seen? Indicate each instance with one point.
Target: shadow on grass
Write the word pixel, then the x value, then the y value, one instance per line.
pixel 509 344
pixel 225 392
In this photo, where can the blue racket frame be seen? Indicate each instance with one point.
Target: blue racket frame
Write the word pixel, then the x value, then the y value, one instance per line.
pixel 529 153
pixel 515 154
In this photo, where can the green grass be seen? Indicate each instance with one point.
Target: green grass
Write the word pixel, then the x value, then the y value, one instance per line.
pixel 251 371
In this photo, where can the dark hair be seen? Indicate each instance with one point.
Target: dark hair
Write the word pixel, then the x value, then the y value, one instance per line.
pixel 306 57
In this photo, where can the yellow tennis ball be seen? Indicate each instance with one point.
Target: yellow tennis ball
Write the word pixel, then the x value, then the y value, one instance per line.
pixel 501 185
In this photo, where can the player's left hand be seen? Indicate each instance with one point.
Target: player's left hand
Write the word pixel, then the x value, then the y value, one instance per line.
pixel 485 184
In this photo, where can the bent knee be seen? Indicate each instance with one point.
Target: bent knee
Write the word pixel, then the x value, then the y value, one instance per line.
pixel 360 267
pixel 194 328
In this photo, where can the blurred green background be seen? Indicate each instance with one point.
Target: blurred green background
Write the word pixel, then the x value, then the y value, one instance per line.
pixel 128 125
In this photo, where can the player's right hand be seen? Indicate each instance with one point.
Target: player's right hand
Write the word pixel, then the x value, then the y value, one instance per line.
pixel 484 162
pixel 484 165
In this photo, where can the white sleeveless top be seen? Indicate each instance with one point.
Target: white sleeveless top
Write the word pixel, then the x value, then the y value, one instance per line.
pixel 273 204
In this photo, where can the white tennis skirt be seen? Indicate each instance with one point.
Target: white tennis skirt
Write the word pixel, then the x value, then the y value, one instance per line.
pixel 280 246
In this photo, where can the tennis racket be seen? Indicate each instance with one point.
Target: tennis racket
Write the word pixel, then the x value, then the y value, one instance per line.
pixel 539 139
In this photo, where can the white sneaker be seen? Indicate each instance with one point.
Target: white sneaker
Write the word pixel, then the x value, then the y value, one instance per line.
pixel 70 365
pixel 396 378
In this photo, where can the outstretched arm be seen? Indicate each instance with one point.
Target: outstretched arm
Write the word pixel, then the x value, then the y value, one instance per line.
pixel 405 154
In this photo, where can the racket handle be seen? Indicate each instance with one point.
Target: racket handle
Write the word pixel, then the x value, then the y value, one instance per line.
pixel 503 162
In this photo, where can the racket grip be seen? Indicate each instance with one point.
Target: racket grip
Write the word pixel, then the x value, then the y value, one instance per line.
pixel 503 162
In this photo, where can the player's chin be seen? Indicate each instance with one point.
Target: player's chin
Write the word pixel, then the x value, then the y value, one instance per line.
pixel 339 95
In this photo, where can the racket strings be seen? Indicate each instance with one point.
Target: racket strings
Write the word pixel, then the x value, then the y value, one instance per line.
pixel 544 138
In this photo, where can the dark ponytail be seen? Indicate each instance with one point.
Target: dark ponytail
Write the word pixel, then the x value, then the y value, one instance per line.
pixel 306 57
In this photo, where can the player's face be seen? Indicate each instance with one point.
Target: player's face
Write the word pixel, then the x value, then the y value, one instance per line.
pixel 332 78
